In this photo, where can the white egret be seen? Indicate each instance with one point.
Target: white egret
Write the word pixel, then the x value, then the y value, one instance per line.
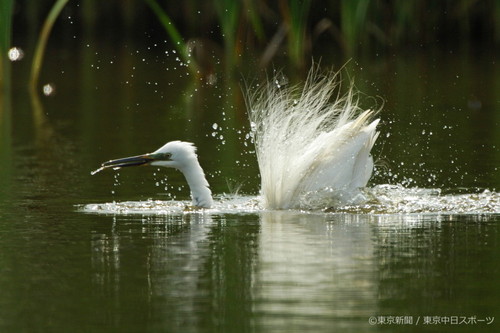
pixel 178 155
pixel 306 142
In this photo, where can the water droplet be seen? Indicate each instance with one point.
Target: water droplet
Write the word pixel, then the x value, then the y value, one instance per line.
pixel 96 171
pixel 15 54
pixel 48 89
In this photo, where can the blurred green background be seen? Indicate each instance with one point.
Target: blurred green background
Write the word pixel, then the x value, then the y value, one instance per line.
pixel 119 78
pixel 235 32
pixel 425 59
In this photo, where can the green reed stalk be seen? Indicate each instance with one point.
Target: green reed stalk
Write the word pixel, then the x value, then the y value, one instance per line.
pixel 404 15
pixel 174 35
pixel 297 26
pixel 5 95
pixel 254 18
pixel 5 25
pixel 5 37
pixel 42 42
pixel 228 12
pixel 496 20
pixel 353 20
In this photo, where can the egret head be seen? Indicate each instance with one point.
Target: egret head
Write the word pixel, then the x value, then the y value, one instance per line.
pixel 175 154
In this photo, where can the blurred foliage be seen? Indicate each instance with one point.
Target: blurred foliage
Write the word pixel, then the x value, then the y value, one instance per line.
pixel 42 41
pixel 261 29
pixel 5 40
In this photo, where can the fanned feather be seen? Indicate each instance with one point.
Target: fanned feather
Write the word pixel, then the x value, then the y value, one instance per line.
pixel 310 138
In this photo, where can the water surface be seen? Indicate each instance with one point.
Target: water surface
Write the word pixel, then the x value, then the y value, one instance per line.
pixel 239 268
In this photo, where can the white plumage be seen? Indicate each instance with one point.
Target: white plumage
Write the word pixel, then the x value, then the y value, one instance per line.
pixel 178 155
pixel 306 141
pixel 182 156
pixel 310 143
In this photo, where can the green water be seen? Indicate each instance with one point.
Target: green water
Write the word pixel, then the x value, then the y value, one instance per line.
pixel 63 270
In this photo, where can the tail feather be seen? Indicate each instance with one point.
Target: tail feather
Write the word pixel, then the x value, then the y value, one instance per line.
pixel 309 137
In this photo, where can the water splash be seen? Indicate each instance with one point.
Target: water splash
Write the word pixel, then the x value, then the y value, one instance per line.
pixel 378 200
pixel 396 199
pixel 224 204
pixel 97 170
pixel 103 168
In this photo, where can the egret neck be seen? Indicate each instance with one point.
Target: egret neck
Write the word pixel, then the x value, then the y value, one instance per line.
pixel 198 184
pixel 178 155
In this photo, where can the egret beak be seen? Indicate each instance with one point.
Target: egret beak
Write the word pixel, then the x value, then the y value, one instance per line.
pixel 126 162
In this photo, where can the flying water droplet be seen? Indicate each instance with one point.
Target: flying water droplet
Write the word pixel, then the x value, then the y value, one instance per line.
pixel 49 89
pixel 97 170
pixel 15 54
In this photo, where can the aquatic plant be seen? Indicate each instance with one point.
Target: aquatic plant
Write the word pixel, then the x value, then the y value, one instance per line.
pixel 295 16
pixel 174 34
pixel 228 13
pixel 5 37
pixel 353 20
pixel 42 42
pixel 257 29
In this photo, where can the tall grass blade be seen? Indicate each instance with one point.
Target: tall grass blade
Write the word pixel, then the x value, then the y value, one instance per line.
pixel 174 35
pixel 354 18
pixel 5 37
pixel 42 42
pixel 255 19
pixel 296 18
pixel 228 12
pixel 5 96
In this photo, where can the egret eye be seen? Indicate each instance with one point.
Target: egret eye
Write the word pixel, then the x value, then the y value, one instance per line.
pixel 167 156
